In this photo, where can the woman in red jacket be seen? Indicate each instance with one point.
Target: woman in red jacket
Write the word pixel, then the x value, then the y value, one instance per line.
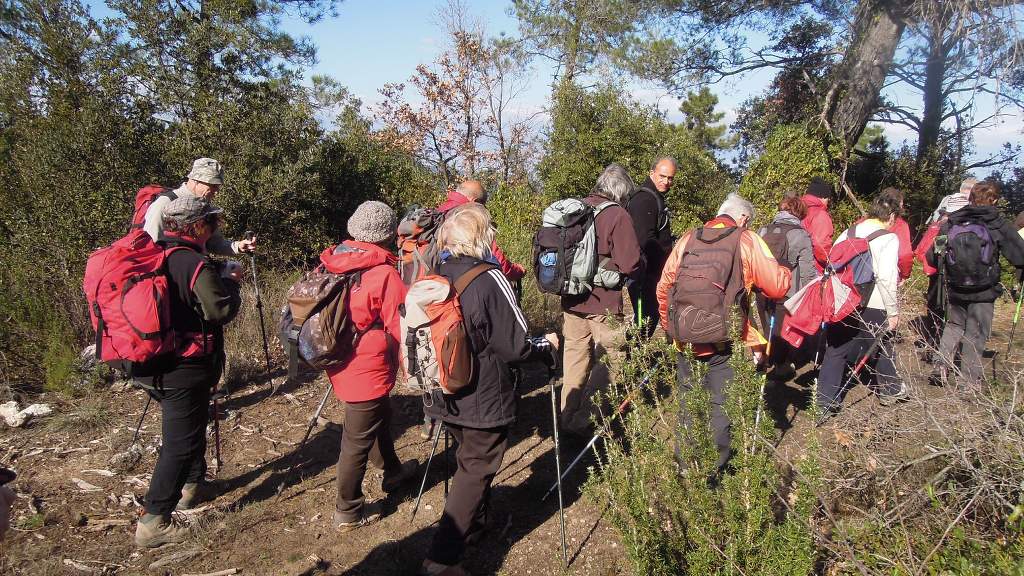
pixel 364 383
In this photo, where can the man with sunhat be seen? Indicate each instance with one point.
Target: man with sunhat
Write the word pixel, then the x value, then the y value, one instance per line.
pixel 204 181
pixel 203 297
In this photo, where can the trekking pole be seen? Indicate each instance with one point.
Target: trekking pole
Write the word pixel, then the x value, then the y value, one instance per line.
pixel 316 416
pixel 216 438
pixel 558 462
pixel 1016 318
pixel 426 470
pixel 249 235
pixel 447 470
pixel 618 412
pixel 771 330
pixel 857 367
pixel 135 437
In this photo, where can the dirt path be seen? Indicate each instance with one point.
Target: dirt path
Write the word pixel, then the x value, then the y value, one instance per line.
pixel 274 515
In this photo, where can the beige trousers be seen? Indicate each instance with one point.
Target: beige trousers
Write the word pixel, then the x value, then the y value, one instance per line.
pixel 588 340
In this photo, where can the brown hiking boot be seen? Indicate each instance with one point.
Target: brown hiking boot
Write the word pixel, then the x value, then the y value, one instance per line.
pixel 431 568
pixel 154 530
pixel 370 513
pixel 394 481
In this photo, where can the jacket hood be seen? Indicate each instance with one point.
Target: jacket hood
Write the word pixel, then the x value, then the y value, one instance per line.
pixel 987 214
pixel 784 217
pixel 813 202
pixel 351 255
pixel 454 199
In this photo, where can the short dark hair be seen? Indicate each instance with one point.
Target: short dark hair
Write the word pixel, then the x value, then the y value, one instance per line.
pixel 887 203
pixel 985 193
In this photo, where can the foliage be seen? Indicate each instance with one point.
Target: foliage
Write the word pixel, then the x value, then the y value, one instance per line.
pixel 676 522
pixel 593 129
pixel 702 121
pixel 792 156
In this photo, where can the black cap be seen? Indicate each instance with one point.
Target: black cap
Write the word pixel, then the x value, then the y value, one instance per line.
pixel 820 187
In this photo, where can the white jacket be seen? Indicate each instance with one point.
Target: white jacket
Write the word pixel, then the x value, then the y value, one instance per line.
pixel 885 253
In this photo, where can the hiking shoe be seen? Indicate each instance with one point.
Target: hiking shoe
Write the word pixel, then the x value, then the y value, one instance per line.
pixel 193 494
pixel 394 481
pixel 431 568
pixel 154 530
pixel 370 513
pixel 782 373
pixel 900 396
pixel 427 431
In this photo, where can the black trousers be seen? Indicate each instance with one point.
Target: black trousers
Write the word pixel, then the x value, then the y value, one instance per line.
pixel 936 312
pixel 184 397
pixel 845 344
pixel 479 457
pixel 366 436
pixel 715 381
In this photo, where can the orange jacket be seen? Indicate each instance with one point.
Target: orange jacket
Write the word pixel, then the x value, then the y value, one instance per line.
pixel 759 270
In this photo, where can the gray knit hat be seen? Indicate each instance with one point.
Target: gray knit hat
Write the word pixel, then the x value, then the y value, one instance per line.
pixel 372 222
pixel 207 170
pixel 188 209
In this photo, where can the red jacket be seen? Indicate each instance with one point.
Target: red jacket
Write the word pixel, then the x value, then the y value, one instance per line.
pixel 818 224
pixel 373 305
pixel 925 244
pixel 905 264
pixel 511 270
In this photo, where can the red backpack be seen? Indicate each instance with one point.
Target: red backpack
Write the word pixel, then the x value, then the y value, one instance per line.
pixel 417 250
pixel 144 198
pixel 126 289
pixel 850 260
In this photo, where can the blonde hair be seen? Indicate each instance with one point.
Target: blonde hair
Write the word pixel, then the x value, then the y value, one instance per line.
pixel 467 231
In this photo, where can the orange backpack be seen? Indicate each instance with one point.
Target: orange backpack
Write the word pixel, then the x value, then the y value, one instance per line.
pixel 436 351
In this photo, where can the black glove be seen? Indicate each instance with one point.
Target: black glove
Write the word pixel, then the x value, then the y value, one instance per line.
pixel 544 352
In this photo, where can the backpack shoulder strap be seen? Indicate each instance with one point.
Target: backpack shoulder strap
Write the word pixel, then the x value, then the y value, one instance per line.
pixel 463 281
pixel 877 234
pixel 601 207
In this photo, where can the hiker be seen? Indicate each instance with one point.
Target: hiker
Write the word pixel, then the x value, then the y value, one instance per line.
pixel 204 181
pixel 931 327
pixel 469 191
pixel 975 237
pixel 473 191
pixel 592 322
pixel 204 297
pixel 479 414
pixel 955 201
pixel 649 211
pixel 364 383
pixel 818 222
pixel 696 307
pixel 848 340
pixel 7 499
pixel 791 246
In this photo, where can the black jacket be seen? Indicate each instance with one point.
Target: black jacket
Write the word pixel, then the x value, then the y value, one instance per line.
pixel 498 334
pixel 1008 243
pixel 650 221
pixel 201 304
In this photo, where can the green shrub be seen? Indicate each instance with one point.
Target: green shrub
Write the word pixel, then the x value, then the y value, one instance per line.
pixel 673 523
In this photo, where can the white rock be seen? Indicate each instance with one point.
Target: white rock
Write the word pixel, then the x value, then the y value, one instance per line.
pixel 9 412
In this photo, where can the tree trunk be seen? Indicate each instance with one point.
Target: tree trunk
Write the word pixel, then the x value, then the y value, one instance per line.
pixel 853 98
pixel 934 94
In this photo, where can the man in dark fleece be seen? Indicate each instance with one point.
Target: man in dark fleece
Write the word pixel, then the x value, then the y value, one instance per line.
pixel 972 286
pixel 650 216
pixel 203 298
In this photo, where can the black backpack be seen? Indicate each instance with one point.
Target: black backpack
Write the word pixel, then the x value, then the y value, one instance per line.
pixel 775 237
pixel 971 262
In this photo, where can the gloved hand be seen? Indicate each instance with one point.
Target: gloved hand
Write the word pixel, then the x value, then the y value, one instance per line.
pixel 544 351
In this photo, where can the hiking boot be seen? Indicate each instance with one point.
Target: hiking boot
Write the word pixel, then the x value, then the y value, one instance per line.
pixel 394 481
pixel 899 396
pixel 154 530
pixel 194 494
pixel 431 568
pixel 782 373
pixel 427 431
pixel 370 513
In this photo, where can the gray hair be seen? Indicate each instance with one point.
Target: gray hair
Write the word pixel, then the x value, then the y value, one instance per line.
pixel 614 184
pixel 967 185
pixel 735 206
pixel 660 159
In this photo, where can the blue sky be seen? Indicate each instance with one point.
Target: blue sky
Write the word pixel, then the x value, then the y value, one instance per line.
pixel 374 42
